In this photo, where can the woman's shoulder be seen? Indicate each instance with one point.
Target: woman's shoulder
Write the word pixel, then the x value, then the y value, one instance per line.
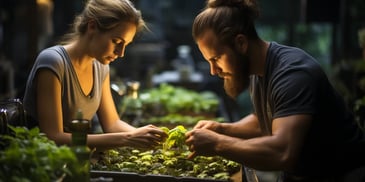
pixel 52 52
pixel 54 58
pixel 52 55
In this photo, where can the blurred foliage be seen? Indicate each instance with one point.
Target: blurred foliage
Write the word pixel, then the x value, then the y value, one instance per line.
pixel 167 99
pixel 314 38
pixel 359 111
pixel 357 8
pixel 168 105
pixel 361 35
pixel 349 79
pixel 171 120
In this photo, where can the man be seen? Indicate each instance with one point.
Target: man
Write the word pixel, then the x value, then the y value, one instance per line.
pixel 300 124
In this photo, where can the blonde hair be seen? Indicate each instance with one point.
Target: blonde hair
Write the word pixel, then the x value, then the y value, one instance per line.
pixel 107 14
pixel 227 18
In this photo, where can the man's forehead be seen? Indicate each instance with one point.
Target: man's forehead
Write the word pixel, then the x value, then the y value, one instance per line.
pixel 209 38
pixel 209 44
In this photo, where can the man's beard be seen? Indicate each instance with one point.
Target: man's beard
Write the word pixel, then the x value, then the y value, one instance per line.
pixel 239 79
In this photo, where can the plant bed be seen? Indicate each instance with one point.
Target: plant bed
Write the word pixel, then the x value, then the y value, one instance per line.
pixel 128 176
pixel 167 162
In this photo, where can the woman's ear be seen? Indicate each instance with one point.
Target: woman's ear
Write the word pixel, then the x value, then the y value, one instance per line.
pixel 92 26
pixel 241 43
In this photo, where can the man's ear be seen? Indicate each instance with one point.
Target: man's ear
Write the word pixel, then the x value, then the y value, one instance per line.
pixel 241 43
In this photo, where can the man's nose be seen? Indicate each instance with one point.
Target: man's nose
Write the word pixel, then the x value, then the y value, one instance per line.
pixel 213 69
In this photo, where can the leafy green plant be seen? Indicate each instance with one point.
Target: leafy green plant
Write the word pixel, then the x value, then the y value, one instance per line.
pixel 170 158
pixel 167 99
pixel 175 139
pixel 28 155
pixel 175 119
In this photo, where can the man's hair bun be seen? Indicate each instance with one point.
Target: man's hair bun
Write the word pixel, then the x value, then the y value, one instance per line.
pixel 249 6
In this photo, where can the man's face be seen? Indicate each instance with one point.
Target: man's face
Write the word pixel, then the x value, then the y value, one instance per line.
pixel 226 62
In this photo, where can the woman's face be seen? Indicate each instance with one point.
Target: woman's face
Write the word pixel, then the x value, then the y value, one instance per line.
pixel 107 46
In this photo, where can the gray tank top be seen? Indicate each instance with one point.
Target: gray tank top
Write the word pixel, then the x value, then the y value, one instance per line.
pixel 57 60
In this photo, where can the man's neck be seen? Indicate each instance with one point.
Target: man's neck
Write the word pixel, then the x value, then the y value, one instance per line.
pixel 258 50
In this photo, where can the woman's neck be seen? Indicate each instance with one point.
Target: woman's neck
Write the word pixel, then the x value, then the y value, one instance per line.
pixel 78 55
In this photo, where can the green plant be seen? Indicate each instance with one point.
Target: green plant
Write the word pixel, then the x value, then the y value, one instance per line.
pixel 28 155
pixel 359 109
pixel 170 158
pixel 177 119
pixel 172 99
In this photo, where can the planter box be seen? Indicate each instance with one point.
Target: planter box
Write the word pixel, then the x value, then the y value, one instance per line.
pixel 134 177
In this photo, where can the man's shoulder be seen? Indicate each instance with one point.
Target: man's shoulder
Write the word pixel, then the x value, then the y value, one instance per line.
pixel 281 49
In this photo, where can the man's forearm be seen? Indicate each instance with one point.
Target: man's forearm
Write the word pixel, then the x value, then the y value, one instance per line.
pixel 247 127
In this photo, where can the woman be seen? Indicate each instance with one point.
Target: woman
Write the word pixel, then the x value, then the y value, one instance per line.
pixel 75 76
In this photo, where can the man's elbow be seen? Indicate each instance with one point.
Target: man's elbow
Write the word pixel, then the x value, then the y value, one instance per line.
pixel 288 161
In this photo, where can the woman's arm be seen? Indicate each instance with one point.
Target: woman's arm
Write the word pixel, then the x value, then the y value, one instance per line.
pixel 49 110
pixel 49 107
pixel 123 133
pixel 107 113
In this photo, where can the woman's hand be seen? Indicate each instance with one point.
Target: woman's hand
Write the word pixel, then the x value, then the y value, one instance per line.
pixel 145 137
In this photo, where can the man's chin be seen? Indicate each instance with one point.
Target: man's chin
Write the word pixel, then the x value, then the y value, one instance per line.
pixel 232 90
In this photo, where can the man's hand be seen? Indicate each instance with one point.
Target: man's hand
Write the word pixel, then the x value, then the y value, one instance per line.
pixel 201 142
pixel 210 125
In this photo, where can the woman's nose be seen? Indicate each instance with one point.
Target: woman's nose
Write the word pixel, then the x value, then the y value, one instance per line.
pixel 119 51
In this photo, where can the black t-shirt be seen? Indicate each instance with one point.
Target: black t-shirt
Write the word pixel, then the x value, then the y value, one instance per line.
pixel 294 83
